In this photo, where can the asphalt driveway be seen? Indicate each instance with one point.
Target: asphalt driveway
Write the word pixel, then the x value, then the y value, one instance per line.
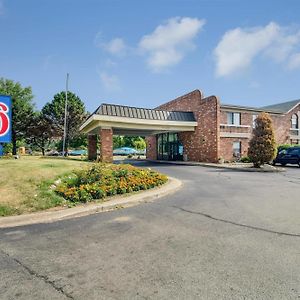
pixel 224 235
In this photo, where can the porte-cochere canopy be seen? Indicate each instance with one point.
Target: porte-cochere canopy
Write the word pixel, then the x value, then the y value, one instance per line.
pixel 126 120
pixel 111 119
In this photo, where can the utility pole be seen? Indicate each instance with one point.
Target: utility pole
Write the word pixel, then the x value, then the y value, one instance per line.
pixel 66 115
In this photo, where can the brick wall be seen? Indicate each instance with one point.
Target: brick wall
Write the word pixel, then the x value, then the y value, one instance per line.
pixel 203 143
pixel 106 145
pixel 281 125
pixel 151 147
pixel 92 147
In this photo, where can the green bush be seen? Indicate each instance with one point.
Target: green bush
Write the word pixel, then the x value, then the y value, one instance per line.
pixel 245 159
pixel 262 147
pixel 103 180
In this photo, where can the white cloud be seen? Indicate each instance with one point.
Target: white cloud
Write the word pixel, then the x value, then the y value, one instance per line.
pixel 110 63
pixel 110 82
pixel 115 46
pixel 283 46
pixel 294 61
pixel 238 47
pixel 168 43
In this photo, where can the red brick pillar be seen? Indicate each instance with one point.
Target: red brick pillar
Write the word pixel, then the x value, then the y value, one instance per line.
pixel 106 145
pixel 92 147
pixel 151 152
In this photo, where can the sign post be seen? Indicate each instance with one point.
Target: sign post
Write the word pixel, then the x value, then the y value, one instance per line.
pixel 5 121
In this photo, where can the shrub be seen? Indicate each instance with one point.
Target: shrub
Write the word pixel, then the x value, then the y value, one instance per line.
pixel 245 159
pixel 262 146
pixel 103 180
pixel 284 146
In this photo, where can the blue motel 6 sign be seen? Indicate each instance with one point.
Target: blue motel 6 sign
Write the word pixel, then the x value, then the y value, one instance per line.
pixel 5 119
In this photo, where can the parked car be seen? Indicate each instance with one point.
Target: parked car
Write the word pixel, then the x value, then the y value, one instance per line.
pixel 288 156
pixel 125 151
pixel 77 152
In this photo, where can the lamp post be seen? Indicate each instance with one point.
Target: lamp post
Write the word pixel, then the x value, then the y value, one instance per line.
pixel 66 114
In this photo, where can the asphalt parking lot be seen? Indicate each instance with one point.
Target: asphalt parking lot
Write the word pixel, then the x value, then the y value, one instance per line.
pixel 224 235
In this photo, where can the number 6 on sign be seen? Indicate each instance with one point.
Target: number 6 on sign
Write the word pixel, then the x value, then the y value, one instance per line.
pixel 4 119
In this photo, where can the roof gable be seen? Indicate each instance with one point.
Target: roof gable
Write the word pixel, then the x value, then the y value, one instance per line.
pixel 283 107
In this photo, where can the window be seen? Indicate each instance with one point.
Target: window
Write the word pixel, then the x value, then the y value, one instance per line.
pixel 295 152
pixel 237 149
pixel 294 121
pixel 233 118
pixel 254 117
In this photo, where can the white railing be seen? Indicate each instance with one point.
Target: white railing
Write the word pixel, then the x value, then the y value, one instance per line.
pixel 234 125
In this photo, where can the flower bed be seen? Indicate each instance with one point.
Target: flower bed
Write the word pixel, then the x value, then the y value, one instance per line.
pixel 103 180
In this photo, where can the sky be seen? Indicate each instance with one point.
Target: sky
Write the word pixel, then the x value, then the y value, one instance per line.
pixel 143 53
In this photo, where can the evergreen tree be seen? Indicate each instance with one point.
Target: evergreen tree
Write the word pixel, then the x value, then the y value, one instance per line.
pixel 262 147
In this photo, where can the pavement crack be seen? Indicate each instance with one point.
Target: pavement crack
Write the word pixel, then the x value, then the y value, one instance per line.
pixel 237 224
pixel 39 276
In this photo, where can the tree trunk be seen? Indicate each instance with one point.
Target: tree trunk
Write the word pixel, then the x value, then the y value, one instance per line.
pixel 14 142
pixel 43 151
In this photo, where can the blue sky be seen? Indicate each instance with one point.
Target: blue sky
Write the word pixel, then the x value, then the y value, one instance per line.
pixel 144 53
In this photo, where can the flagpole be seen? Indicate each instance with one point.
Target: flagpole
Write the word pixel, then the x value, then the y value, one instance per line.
pixel 66 113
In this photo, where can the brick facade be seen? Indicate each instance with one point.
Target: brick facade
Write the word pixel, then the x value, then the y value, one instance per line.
pixel 106 145
pixel 151 147
pixel 92 147
pixel 203 143
pixel 213 138
pixel 281 125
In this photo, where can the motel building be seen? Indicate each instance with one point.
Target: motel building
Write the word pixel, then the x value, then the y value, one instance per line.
pixel 191 127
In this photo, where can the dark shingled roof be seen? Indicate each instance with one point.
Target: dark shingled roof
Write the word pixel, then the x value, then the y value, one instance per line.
pixel 282 107
pixel 143 113
pixel 279 108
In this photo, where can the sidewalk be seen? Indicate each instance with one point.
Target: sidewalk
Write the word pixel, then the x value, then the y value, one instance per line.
pixel 242 167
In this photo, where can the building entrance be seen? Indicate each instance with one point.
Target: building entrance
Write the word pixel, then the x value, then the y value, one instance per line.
pixel 169 147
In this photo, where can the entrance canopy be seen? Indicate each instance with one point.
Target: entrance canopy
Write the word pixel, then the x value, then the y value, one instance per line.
pixel 125 120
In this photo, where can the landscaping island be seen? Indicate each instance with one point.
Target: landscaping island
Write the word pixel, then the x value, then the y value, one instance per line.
pixel 32 184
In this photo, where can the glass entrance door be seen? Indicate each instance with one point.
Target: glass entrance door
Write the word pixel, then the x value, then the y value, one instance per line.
pixel 169 147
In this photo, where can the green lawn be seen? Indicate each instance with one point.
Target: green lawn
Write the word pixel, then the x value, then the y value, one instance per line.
pixel 24 183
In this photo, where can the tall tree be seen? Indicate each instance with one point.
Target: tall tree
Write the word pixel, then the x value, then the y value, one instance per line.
pixel 54 112
pixel 22 108
pixel 41 132
pixel 262 147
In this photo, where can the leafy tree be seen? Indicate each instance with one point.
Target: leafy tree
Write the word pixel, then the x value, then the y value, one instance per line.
pixel 139 143
pixel 41 132
pixel 54 111
pixel 262 147
pixel 136 142
pixel 22 109
pixel 118 141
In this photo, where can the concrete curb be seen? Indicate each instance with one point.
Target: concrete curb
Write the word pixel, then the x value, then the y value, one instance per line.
pixel 116 202
pixel 218 166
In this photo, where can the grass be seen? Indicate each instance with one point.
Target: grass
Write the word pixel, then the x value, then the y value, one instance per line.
pixel 24 183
